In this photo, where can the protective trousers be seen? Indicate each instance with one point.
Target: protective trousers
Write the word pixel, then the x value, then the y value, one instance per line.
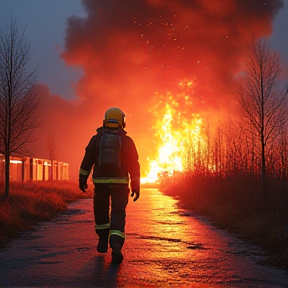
pixel 114 196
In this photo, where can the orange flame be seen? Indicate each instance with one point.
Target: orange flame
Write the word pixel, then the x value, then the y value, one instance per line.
pixel 178 133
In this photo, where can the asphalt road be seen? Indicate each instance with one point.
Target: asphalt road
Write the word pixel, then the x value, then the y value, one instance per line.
pixel 165 247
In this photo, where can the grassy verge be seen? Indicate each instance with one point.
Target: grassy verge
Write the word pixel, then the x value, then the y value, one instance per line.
pixel 237 204
pixel 32 202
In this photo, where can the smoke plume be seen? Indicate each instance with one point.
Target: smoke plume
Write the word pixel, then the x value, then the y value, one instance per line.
pixel 130 49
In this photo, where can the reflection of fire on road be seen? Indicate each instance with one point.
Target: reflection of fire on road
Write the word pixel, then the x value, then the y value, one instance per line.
pixel 177 132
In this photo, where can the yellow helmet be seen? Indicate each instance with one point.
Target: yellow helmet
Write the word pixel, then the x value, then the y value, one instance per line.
pixel 114 118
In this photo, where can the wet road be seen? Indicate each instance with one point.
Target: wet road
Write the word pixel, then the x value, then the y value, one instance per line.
pixel 164 247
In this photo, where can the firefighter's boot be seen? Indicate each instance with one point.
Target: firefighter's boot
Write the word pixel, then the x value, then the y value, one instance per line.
pixel 116 243
pixel 102 246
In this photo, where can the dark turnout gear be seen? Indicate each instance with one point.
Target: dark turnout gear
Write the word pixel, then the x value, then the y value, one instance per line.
pixel 118 193
pixel 83 182
pixel 106 174
pixel 116 170
pixel 116 243
pixel 103 234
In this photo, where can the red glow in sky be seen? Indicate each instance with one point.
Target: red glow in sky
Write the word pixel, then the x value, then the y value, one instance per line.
pixel 129 50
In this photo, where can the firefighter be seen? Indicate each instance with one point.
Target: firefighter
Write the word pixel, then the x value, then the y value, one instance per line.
pixel 116 173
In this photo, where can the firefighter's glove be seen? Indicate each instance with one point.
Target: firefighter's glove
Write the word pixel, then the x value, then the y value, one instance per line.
pixel 83 183
pixel 136 195
pixel 83 187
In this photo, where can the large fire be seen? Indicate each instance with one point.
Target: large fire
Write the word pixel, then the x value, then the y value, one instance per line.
pixel 128 49
pixel 178 134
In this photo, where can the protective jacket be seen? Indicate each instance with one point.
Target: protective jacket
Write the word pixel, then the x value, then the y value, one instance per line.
pixel 129 169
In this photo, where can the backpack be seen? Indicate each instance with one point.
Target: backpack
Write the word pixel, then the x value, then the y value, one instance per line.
pixel 109 151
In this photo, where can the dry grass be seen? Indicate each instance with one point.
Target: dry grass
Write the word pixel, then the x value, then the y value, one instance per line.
pixel 32 202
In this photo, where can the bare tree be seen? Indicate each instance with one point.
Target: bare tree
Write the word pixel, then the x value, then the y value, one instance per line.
pixel 263 101
pixel 18 100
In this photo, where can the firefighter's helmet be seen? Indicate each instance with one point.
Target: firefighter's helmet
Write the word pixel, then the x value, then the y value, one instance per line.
pixel 114 118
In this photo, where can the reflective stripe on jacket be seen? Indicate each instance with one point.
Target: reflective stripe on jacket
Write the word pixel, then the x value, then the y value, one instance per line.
pixel 119 180
pixel 84 172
